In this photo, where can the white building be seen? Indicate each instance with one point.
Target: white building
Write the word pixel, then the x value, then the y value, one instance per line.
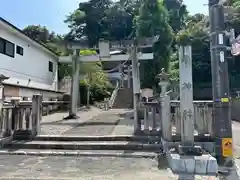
pixel 32 67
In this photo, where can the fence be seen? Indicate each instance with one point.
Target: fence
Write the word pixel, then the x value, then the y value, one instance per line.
pixel 156 115
pixel 22 118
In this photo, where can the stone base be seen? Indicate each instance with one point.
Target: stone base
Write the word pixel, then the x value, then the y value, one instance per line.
pixel 71 116
pixel 198 165
pixel 206 146
pixel 23 135
pixel 190 150
pixel 6 133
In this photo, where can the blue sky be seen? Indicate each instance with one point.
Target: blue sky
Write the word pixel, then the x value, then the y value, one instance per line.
pixel 51 13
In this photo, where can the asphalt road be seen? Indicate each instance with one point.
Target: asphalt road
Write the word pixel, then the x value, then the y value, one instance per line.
pixel 84 168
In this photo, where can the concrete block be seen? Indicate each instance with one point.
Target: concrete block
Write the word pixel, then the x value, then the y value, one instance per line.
pixel 190 165
pixel 212 167
pixel 198 165
pixel 201 164
pixel 177 164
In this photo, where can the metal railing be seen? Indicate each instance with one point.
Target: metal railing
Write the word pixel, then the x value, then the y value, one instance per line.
pixel 113 96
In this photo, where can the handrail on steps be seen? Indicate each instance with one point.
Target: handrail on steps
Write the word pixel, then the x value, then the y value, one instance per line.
pixel 114 95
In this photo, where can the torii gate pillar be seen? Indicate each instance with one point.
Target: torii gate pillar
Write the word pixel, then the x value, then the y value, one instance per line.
pixel 74 86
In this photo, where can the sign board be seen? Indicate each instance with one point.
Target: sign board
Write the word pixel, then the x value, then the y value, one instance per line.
pixel 104 49
pixel 227 147
pixel 146 92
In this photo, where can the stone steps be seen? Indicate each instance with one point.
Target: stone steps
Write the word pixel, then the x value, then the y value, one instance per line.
pixel 87 145
pixel 124 98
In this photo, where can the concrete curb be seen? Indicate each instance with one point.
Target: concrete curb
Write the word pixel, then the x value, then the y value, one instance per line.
pixel 81 154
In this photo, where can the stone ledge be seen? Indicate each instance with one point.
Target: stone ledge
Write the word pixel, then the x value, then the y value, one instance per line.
pixel 89 153
pixel 5 140
pixel 198 165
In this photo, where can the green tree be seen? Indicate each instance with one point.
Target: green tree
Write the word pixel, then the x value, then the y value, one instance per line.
pixel 196 35
pixel 95 80
pixel 37 33
pixel 152 21
pixel 177 13
pixel 88 21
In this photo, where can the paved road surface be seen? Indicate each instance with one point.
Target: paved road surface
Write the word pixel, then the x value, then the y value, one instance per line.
pixel 236 138
pixel 96 122
pixel 92 122
pixel 83 168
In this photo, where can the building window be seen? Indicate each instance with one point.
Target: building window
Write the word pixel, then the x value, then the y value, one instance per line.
pixel 7 47
pixel 20 50
pixel 2 44
pixel 50 66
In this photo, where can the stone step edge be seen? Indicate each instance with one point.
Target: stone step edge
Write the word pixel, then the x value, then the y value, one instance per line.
pixel 92 138
pixel 85 143
pixel 70 153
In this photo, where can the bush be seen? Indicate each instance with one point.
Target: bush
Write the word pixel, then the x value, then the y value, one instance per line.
pixel 97 93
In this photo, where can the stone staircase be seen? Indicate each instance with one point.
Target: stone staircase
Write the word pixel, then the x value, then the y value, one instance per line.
pixel 124 99
pixel 132 146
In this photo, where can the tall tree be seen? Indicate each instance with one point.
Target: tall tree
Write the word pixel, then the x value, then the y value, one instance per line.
pixel 38 33
pixel 119 19
pixel 196 34
pixel 152 21
pixel 177 13
pixel 89 21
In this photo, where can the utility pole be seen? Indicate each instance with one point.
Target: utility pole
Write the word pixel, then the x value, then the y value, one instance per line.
pixel 220 83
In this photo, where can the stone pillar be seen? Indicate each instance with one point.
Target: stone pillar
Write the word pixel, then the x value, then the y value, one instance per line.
pixel 175 111
pixel 186 96
pixel 166 119
pixel 136 88
pixel 6 129
pixel 129 76
pixel 36 114
pixel 120 70
pixel 74 86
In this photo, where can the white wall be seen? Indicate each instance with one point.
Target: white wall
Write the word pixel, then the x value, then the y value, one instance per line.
pixel 24 92
pixel 32 65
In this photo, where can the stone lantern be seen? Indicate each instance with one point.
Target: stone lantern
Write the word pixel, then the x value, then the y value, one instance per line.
pixel 163 81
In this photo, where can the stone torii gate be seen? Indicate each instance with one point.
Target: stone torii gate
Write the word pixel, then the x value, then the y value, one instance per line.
pixel 104 55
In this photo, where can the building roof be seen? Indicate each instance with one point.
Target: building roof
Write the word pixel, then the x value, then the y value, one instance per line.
pixel 33 40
